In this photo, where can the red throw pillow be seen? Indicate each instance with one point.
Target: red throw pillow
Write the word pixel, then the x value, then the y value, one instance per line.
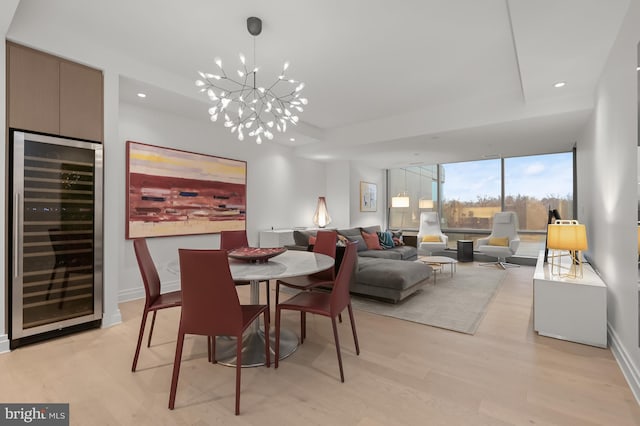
pixel 312 240
pixel 372 241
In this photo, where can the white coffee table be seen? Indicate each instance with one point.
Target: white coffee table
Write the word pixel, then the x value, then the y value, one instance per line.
pixel 439 262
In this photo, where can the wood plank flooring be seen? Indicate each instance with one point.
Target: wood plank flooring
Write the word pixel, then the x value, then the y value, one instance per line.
pixel 406 374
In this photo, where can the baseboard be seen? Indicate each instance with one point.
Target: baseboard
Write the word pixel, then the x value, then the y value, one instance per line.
pixel 113 319
pixel 138 293
pixel 629 370
pixel 4 343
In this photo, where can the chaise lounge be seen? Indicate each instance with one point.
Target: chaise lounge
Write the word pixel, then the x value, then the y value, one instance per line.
pixel 388 275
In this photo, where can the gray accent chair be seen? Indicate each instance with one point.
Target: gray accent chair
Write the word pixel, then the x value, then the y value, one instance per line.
pixel 505 224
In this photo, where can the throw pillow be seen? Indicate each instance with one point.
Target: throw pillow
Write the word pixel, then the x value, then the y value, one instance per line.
pixel 431 238
pixel 312 240
pixel 495 241
pixel 342 241
pixel 372 241
pixel 397 237
pixel 386 240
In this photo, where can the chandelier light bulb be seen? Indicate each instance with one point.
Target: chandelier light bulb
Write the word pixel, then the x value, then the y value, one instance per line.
pixel 266 105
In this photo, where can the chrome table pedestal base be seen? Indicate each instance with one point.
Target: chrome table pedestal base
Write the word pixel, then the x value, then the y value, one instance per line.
pixel 253 348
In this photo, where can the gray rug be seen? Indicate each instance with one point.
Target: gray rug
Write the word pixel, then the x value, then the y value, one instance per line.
pixel 456 303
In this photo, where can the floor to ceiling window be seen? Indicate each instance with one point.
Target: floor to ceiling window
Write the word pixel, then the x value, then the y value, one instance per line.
pixel 468 194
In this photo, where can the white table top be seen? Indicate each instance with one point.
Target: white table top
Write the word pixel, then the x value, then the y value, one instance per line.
pixel 288 264
pixel 437 259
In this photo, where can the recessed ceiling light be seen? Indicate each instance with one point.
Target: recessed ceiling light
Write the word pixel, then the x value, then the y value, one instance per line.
pixel 142 95
pixel 638 68
pixel 292 139
pixel 560 84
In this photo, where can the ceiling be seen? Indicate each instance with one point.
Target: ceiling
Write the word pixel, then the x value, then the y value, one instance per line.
pixel 389 84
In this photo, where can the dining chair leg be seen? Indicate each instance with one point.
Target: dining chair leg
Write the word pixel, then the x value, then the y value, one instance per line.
pixel 335 336
pixel 213 350
pixel 143 322
pixel 153 322
pixel 268 299
pixel 353 329
pixel 238 371
pixel 267 352
pixel 303 326
pixel 277 348
pixel 209 348
pixel 176 370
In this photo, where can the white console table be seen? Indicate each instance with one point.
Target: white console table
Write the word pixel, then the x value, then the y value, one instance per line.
pixel 573 309
pixel 276 238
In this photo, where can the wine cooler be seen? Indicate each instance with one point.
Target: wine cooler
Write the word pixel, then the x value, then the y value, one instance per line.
pixel 56 255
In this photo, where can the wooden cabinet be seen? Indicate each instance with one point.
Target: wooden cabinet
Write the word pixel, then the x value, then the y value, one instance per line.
pixel 33 92
pixel 52 95
pixel 80 102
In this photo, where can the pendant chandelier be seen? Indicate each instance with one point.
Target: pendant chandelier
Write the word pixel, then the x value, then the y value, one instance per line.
pixel 247 106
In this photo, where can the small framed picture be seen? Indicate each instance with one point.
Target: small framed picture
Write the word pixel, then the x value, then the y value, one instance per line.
pixel 368 197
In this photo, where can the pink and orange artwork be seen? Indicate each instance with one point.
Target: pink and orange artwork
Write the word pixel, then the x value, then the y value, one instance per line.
pixel 174 192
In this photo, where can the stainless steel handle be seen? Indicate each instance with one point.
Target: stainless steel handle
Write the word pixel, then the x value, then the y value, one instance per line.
pixel 16 235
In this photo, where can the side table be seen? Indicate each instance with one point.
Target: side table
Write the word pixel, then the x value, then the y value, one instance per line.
pixel 465 250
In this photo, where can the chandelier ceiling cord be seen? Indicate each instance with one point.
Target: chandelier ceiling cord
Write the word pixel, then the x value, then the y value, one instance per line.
pixel 247 107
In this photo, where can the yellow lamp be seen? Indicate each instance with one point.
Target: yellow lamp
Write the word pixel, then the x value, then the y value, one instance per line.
pixel 570 236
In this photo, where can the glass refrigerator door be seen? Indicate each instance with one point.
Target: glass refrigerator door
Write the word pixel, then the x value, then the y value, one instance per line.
pixel 57 231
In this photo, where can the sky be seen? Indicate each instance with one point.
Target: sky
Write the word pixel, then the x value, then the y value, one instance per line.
pixel 536 176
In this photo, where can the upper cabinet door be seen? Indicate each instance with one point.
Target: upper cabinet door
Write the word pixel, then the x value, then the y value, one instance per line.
pixel 81 106
pixel 34 90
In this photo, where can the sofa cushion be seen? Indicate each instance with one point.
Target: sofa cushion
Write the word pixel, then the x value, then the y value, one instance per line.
pixel 353 234
pixel 391 274
pixel 381 254
pixel 371 229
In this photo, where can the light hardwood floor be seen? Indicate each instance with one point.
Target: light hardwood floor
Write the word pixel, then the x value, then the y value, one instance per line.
pixel 406 374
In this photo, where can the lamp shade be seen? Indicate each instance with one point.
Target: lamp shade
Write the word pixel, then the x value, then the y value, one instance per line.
pixel 567 235
pixel 400 201
pixel 425 204
pixel 321 217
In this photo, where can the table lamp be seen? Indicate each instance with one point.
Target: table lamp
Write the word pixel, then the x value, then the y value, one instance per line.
pixel 569 236
pixel 321 218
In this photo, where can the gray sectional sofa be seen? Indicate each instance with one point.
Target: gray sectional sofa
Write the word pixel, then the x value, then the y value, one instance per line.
pixel 389 275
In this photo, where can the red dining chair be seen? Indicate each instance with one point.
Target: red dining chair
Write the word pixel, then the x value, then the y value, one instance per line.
pixel 230 240
pixel 210 307
pixel 154 300
pixel 326 304
pixel 325 244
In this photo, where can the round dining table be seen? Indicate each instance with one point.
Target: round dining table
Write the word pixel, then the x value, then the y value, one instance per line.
pixel 288 264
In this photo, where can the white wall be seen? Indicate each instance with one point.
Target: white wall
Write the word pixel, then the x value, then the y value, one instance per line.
pixel 607 171
pixel 282 190
pixel 359 173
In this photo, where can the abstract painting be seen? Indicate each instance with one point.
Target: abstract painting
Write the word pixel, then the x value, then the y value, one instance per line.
pixel 368 197
pixel 174 192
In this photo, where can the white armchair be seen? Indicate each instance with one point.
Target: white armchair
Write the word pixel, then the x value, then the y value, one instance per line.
pixel 430 227
pixel 505 225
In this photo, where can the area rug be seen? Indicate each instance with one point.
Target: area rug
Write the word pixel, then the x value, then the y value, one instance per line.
pixel 456 303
